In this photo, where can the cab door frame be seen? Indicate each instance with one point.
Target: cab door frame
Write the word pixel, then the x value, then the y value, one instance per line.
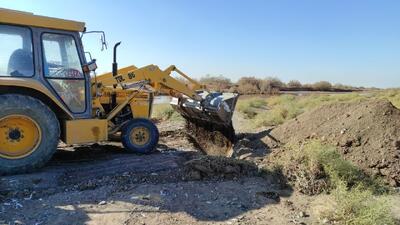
pixel 40 73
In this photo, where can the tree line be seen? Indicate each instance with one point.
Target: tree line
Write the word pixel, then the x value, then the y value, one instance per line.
pixel 269 85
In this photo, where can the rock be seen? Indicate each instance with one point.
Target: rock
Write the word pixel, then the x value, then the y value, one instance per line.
pixel 102 203
pixel 269 194
pixel 348 143
pixel 393 183
pixel 301 214
pixel 324 221
pixel 125 174
pixel 396 144
pixel 244 156
pixel 194 175
pixel 384 171
pixel 164 192
pixel 145 197
pixel 202 168
pixel 231 169
pixel 135 197
pixel 373 164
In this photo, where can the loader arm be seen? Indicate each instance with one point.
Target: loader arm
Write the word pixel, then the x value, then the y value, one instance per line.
pixel 160 80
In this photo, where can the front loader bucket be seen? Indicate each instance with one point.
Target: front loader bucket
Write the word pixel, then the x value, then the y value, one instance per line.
pixel 209 122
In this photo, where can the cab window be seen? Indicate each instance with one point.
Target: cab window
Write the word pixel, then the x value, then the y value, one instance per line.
pixel 61 58
pixel 16 54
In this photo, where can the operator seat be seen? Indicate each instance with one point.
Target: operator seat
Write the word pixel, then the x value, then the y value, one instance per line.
pixel 20 63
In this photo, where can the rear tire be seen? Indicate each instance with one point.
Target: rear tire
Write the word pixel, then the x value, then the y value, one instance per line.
pixel 29 134
pixel 140 136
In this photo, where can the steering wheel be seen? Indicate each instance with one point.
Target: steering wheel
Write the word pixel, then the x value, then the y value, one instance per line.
pixel 67 73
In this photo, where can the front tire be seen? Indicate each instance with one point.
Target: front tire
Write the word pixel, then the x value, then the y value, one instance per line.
pixel 140 136
pixel 29 134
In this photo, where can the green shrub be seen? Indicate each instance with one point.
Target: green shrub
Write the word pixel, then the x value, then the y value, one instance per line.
pixel 358 199
pixel 280 109
pixel 269 118
pixel 251 107
pixel 335 167
pixel 393 95
pixel 258 103
pixel 216 83
pixel 317 164
pixel 249 112
pixel 165 112
pixel 359 206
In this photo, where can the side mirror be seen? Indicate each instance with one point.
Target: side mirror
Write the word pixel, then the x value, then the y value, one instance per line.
pixel 90 66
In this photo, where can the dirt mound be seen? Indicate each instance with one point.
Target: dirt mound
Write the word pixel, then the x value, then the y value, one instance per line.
pixel 366 132
pixel 218 167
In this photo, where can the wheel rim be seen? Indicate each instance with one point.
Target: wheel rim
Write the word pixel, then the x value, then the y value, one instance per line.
pixel 140 136
pixel 19 136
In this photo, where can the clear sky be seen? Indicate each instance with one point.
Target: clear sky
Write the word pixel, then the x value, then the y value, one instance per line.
pixel 341 41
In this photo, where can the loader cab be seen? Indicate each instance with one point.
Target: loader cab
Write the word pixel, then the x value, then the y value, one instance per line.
pixel 50 52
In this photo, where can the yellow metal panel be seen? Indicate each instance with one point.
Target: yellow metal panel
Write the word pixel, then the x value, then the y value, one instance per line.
pixel 108 77
pixel 85 131
pixel 29 19
pixel 141 108
pixel 33 84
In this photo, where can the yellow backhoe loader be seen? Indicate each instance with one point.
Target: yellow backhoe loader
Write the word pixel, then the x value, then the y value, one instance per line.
pixel 47 94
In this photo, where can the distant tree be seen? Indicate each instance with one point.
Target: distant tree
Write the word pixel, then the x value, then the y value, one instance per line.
pixel 275 82
pixel 249 85
pixel 249 80
pixel 322 86
pixel 294 84
pixel 216 83
pixel 234 88
pixel 252 85
pixel 265 86
pixel 248 89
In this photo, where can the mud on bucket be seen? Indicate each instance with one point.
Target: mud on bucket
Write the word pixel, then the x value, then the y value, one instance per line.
pixel 209 122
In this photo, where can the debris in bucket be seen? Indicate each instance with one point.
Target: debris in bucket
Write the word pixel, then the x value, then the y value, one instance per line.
pixel 212 139
pixel 209 122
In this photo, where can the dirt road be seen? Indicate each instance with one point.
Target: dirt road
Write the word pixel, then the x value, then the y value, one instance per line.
pixel 116 188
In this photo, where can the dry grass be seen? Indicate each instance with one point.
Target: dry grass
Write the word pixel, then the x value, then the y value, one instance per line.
pixel 251 107
pixel 165 112
pixel 358 199
pixel 274 110
pixel 359 206
pixel 314 168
